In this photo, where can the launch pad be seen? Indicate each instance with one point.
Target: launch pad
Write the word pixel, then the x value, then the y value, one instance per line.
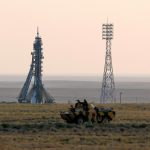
pixel 37 94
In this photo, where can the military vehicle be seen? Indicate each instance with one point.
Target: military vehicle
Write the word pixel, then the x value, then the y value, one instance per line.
pixel 84 112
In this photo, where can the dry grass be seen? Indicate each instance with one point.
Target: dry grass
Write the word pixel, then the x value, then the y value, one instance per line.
pixel 39 127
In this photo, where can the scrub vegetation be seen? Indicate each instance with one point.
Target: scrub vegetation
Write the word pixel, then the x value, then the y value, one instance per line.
pixel 39 127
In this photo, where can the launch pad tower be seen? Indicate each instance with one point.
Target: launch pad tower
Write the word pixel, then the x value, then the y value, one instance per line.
pixel 37 93
pixel 108 84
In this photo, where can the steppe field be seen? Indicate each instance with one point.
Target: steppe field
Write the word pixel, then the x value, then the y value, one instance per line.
pixel 39 127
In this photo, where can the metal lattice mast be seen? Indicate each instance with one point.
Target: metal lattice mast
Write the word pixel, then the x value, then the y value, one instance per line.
pixel 37 93
pixel 108 84
pixel 23 94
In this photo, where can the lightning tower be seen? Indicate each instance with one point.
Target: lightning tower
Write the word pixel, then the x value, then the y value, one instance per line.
pixel 108 84
pixel 37 93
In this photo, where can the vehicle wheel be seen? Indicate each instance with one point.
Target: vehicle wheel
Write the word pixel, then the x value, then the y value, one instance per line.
pixel 92 120
pixel 105 120
pixel 100 119
pixel 80 120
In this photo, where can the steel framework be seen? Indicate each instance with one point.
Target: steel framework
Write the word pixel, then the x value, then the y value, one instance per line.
pixel 37 94
pixel 108 84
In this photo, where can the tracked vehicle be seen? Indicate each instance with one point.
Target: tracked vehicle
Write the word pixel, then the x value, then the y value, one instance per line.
pixel 84 112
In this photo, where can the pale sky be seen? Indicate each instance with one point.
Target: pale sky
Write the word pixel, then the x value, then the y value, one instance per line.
pixel 71 33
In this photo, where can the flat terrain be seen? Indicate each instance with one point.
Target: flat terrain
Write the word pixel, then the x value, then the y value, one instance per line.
pixel 39 127
pixel 62 91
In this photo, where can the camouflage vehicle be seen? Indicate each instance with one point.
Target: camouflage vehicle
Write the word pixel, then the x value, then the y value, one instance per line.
pixel 84 112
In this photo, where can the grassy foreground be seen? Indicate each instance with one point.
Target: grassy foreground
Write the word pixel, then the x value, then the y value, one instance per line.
pixel 39 127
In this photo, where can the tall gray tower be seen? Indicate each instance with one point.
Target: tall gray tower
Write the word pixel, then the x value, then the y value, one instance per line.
pixel 37 93
pixel 108 84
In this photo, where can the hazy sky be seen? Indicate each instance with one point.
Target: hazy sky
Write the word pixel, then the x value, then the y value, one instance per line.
pixel 71 33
